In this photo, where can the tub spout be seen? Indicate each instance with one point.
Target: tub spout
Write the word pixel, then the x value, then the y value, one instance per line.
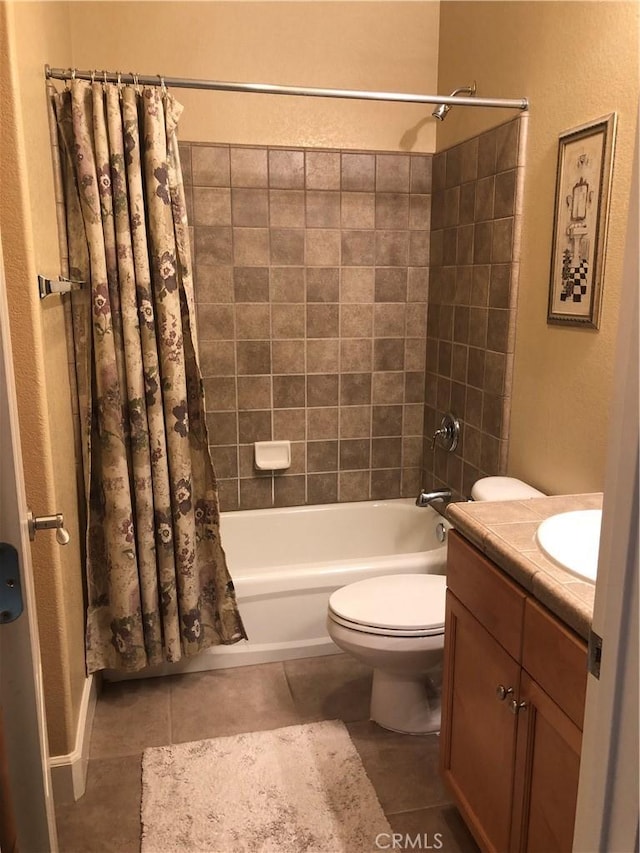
pixel 427 498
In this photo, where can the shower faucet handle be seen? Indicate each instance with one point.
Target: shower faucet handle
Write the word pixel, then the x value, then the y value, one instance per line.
pixel 448 435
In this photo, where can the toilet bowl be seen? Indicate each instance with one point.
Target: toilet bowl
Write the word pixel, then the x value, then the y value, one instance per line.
pixel 395 624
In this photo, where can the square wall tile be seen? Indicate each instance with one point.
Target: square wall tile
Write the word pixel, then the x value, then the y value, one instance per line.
pixel 322 170
pixel 322 391
pixel 322 320
pixel 322 209
pixel 211 206
pixel 355 454
pixel 287 284
pixel 287 321
pixel 356 355
pixel 358 210
pixel 287 246
pixel 251 246
pixel 213 283
pixel 286 208
pixel 358 172
pixel 288 356
pixel 217 358
pixel 322 488
pixel 250 207
pixel 286 169
pixel 323 355
pixel 249 167
pixel 323 285
pixel 353 485
pixel 392 173
pixel 322 247
pixel 357 284
pixel 251 284
pixel 210 166
pixel 358 248
pixel 322 423
pixel 254 426
pixel 253 357
pixel 355 389
pixel 213 245
pixel 288 392
pixel 254 392
pixel 322 456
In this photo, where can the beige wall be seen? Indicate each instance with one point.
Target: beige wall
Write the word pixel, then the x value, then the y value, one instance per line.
pixel 391 46
pixel 33 33
pixel 575 61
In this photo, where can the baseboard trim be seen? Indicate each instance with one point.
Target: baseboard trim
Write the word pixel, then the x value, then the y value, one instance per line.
pixel 69 772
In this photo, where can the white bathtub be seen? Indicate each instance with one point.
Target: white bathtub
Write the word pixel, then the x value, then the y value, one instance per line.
pixel 286 562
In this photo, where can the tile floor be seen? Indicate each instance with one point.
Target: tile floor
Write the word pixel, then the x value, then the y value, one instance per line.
pixel 133 715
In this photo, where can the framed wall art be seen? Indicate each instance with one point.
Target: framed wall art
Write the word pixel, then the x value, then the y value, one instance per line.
pixel 583 188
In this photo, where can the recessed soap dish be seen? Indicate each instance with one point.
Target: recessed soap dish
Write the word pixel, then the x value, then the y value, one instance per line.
pixel 272 455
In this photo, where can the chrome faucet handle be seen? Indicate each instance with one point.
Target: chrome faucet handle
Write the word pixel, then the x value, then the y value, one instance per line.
pixel 448 435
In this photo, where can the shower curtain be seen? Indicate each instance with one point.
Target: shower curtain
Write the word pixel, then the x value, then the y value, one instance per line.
pixel 158 586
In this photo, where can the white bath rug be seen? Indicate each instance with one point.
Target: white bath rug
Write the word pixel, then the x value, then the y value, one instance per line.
pixel 300 789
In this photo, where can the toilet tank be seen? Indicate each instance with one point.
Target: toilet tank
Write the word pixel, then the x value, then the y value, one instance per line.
pixel 503 489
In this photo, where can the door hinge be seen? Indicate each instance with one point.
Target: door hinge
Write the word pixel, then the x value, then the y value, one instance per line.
pixel 595 653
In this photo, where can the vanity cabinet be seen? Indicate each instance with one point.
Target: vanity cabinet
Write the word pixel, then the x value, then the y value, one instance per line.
pixel 512 706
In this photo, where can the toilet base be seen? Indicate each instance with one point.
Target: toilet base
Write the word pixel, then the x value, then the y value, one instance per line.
pixel 409 704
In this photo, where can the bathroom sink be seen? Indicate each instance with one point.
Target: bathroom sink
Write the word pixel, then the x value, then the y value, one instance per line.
pixel 572 540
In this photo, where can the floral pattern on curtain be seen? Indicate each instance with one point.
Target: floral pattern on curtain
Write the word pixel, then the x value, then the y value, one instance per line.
pixel 158 586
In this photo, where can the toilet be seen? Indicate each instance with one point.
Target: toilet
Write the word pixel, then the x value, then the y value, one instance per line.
pixel 395 624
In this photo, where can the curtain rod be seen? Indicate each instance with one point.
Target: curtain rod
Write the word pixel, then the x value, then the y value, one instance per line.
pixel 269 89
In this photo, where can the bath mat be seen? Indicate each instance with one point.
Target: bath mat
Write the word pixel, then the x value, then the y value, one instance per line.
pixel 300 789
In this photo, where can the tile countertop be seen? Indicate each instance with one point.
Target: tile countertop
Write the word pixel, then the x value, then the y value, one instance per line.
pixel 505 532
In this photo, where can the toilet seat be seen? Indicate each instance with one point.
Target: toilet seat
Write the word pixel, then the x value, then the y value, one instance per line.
pixel 407 605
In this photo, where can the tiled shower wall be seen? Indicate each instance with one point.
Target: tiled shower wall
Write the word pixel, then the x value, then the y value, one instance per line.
pixel 311 280
pixel 471 306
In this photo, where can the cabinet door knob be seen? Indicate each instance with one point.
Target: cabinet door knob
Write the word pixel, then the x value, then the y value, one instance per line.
pixel 516 706
pixel 502 692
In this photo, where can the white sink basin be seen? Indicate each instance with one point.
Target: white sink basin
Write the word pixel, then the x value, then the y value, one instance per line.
pixel 572 540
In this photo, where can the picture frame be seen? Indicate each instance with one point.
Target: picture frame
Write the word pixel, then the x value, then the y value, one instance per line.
pixel 581 218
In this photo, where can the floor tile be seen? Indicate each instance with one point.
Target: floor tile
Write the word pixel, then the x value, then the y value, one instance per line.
pixel 403 769
pixel 130 716
pixel 335 687
pixel 107 818
pixel 440 826
pixel 230 701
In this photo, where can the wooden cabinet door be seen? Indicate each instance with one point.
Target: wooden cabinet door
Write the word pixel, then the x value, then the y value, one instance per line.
pixel 547 768
pixel 478 736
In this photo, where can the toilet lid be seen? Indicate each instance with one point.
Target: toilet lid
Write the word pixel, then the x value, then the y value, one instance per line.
pixel 393 602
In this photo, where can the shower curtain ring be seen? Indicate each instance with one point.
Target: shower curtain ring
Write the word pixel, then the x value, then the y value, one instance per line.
pixel 93 76
pixel 73 73
pixel 162 84
pixel 104 77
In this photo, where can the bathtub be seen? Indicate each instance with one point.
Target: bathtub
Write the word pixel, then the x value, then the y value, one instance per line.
pixel 285 563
